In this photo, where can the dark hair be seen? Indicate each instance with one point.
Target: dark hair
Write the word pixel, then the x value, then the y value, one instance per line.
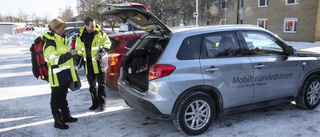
pixel 87 20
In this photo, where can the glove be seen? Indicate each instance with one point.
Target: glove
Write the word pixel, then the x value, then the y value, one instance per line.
pixel 73 52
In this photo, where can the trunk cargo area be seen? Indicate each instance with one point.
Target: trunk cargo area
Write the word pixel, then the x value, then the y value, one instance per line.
pixel 136 65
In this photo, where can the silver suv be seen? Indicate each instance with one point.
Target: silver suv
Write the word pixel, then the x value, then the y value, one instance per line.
pixel 193 75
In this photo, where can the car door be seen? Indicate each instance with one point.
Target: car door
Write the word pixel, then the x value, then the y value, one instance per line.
pixel 227 70
pixel 276 75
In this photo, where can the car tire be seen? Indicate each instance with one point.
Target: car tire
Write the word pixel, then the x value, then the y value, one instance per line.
pixel 309 97
pixel 194 113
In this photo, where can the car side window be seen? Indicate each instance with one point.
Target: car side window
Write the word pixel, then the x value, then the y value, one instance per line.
pixel 131 43
pixel 190 48
pixel 222 45
pixel 261 44
pixel 114 43
pixel 73 32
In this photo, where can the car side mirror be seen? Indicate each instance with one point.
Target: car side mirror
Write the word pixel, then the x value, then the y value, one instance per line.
pixel 290 50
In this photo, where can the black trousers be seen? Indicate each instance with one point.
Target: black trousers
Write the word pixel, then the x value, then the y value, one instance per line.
pixel 98 94
pixel 59 99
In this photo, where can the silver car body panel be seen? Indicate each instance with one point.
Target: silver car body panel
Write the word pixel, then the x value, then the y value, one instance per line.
pixel 231 76
pixel 236 78
pixel 277 78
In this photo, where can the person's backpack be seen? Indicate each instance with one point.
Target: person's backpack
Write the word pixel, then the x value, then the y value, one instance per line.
pixel 39 66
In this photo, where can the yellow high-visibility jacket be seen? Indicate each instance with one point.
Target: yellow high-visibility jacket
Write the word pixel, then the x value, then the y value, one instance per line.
pixel 100 40
pixel 59 60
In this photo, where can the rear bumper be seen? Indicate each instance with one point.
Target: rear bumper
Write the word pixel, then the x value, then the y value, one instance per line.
pixel 111 81
pixel 137 101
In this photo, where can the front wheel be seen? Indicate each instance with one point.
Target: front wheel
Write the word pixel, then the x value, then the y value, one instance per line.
pixel 195 113
pixel 309 97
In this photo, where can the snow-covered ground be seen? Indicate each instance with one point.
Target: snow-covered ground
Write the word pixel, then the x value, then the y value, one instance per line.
pixel 25 108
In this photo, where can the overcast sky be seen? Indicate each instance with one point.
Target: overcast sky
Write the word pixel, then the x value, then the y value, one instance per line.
pixel 42 8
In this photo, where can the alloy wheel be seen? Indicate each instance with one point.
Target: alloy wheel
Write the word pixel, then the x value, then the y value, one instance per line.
pixel 197 114
pixel 313 92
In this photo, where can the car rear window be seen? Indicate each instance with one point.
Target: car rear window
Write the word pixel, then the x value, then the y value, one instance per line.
pixel 190 48
pixel 114 43
pixel 131 43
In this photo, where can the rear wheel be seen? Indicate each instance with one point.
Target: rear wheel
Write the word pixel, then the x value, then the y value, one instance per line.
pixel 309 97
pixel 194 113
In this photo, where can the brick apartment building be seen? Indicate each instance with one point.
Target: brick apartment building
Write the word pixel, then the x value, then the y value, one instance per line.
pixel 292 20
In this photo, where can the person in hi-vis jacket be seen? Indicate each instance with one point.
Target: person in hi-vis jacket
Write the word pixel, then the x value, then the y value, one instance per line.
pixel 61 71
pixel 89 42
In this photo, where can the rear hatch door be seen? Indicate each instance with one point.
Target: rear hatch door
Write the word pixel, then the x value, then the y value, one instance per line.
pixel 137 15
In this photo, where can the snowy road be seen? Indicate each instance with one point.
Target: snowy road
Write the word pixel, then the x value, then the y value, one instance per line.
pixel 25 108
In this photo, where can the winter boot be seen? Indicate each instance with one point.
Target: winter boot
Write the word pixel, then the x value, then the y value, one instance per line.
pixel 58 123
pixel 102 107
pixel 94 102
pixel 66 116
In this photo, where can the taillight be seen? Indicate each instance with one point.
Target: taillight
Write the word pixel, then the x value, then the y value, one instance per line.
pixel 158 71
pixel 114 57
pixel 73 43
pixel 118 38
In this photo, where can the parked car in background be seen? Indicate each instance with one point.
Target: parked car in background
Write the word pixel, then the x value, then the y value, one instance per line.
pixel 70 31
pixel 121 43
pixel 108 31
pixel 29 28
pixel 72 34
pixel 193 75
pixel 72 41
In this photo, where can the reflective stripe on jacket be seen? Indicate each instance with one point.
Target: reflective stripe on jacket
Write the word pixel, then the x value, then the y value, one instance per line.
pixel 100 40
pixel 59 60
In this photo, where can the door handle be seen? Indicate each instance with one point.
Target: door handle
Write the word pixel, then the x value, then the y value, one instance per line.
pixel 212 69
pixel 259 66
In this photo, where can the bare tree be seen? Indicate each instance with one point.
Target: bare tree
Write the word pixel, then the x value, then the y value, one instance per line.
pixel 67 14
pixel 33 17
pixel 88 7
pixel 173 13
pixel 19 14
pixel 1 18
pixel 23 17
pixel 10 17
pixel 45 19
pixel 209 11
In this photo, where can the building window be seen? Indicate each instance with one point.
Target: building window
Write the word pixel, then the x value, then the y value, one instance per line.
pixel 262 23
pixel 224 4
pixel 292 2
pixel 290 25
pixel 223 22
pixel 207 6
pixel 208 22
pixel 263 3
